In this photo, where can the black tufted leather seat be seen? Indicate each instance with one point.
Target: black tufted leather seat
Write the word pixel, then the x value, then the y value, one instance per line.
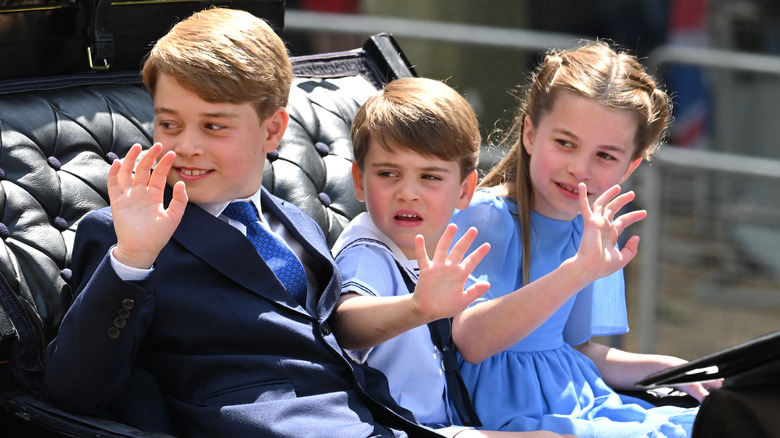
pixel 58 138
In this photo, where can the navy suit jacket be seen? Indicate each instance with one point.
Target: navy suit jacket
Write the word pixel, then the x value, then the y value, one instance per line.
pixel 233 353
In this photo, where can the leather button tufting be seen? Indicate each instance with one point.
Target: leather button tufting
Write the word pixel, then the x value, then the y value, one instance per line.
pixel 325 199
pixel 60 223
pixel 54 163
pixel 325 329
pixel 66 274
pixel 272 156
pixel 322 148
pixel 113 332
pixel 111 157
pixel 4 232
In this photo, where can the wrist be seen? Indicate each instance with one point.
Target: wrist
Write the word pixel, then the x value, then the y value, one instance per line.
pixel 576 270
pixel 133 260
pixel 419 315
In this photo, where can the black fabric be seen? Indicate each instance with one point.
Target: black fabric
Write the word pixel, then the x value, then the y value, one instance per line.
pixel 729 362
pixel 747 406
pixel 748 402
pixel 57 37
pixel 441 335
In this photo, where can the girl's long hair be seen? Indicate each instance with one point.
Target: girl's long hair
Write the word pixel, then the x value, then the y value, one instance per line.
pixel 595 71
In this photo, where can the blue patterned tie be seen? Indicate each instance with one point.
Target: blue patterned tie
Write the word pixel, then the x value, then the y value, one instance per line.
pixel 272 249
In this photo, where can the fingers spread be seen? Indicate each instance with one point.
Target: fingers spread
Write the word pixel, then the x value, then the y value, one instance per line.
pixel 584 205
pixel 470 263
pixel 476 290
pixel 422 254
pixel 160 174
pixel 626 220
pixel 463 244
pixel 443 246
pixel 629 250
pixel 144 166
pixel 179 201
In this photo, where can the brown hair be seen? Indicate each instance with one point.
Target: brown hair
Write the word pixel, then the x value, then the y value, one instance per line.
pixel 424 115
pixel 224 55
pixel 595 71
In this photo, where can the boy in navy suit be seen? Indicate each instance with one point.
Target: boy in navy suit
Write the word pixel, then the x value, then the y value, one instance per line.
pixel 168 283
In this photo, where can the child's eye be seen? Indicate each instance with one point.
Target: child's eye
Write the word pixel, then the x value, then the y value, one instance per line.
pixel 606 156
pixel 431 177
pixel 214 127
pixel 164 124
pixel 564 143
pixel 387 173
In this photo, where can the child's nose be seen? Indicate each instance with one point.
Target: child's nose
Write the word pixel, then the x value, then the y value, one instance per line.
pixel 189 143
pixel 407 189
pixel 579 168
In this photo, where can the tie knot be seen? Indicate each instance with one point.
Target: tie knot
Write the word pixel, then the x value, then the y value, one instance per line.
pixel 243 212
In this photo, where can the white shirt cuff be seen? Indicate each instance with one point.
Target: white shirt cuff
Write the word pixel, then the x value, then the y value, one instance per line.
pixel 127 273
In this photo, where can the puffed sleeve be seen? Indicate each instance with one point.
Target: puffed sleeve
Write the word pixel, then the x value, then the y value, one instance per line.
pixel 494 217
pixel 599 310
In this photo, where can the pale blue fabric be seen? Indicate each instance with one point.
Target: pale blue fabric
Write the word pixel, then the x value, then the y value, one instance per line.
pixel 542 383
pixel 369 262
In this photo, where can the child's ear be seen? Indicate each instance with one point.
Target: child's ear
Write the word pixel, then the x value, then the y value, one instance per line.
pixel 467 188
pixel 528 134
pixel 357 182
pixel 275 125
pixel 631 168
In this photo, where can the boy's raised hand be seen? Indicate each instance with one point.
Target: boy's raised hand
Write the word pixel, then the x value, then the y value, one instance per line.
pixel 143 225
pixel 602 230
pixel 440 287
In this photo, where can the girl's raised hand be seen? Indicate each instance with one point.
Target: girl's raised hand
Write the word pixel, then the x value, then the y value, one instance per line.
pixel 598 248
pixel 143 225
pixel 440 287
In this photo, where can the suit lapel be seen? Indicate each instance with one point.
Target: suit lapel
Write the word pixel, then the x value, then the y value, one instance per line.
pixel 305 230
pixel 234 256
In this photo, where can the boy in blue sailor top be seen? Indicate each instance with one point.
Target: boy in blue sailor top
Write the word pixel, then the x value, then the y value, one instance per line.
pixel 416 148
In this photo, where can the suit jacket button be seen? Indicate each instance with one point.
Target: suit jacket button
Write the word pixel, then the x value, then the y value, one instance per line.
pixel 113 332
pixel 128 303
pixel 124 313
pixel 325 329
pixel 119 322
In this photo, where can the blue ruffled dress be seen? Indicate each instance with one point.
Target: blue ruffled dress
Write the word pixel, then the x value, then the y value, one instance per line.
pixel 542 382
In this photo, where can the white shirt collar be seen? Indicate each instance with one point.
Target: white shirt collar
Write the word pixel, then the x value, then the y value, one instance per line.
pixel 216 208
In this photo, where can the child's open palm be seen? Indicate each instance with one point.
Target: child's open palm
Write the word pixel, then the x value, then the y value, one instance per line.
pixel 598 248
pixel 143 225
pixel 440 287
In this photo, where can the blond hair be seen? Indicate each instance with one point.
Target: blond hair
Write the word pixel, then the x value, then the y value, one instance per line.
pixel 224 55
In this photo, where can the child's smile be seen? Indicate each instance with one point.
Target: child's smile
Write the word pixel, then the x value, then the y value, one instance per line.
pixel 185 173
pixel 579 140
pixel 219 147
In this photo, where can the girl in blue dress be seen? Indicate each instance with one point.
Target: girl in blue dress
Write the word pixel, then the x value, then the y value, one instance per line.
pixel 589 117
